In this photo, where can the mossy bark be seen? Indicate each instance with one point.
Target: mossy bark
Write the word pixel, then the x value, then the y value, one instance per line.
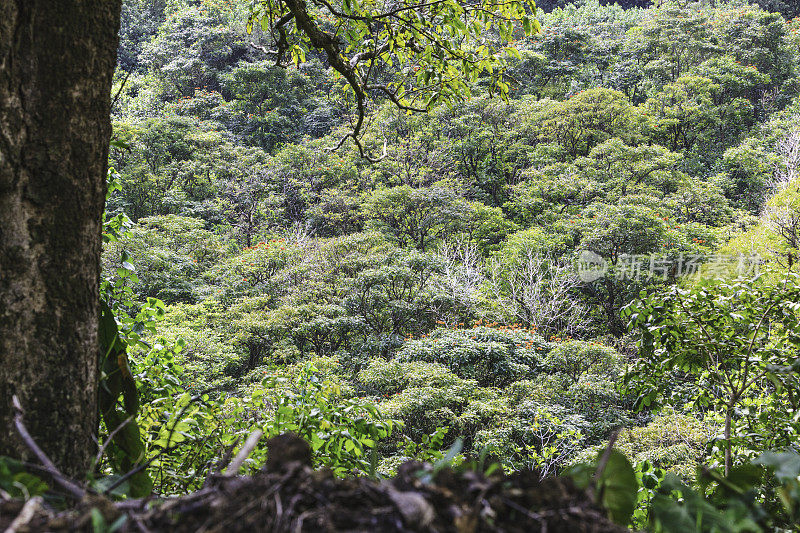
pixel 57 60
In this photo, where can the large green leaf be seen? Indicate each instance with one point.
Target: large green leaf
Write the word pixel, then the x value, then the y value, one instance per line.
pixel 786 464
pixel 617 488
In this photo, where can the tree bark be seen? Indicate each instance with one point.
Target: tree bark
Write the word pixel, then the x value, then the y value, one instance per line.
pixel 727 435
pixel 56 64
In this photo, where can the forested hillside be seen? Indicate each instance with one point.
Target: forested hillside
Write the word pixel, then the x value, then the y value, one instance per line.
pixel 608 248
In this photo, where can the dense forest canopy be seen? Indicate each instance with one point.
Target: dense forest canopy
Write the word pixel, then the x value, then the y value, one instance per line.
pixel 594 237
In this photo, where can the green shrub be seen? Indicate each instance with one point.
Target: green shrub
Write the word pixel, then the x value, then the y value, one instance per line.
pixel 341 430
pixel 492 357
pixel 186 434
pixel 446 401
pixel 573 359
pixel 671 441
pixel 426 408
pixel 170 253
pixel 321 330
pixel 383 377
pixel 537 389
pixel 208 351
pixel 538 436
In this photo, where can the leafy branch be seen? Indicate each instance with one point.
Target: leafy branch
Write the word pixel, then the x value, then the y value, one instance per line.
pixel 414 53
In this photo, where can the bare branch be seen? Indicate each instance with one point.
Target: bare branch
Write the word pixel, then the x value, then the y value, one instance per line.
pixel 108 440
pixel 247 448
pixel 539 291
pixel 119 91
pixel 26 515
pixel 74 490
pixel 392 95
pixel 462 271
pixel 601 464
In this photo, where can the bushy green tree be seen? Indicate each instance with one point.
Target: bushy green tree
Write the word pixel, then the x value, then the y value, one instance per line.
pixel 589 118
pixel 620 169
pixel 416 217
pixel 396 298
pixel 684 112
pixel 489 356
pixel 670 42
pixel 270 105
pixel 618 233
pixel 736 343
pixel 758 38
pixel 573 359
pixel 171 253
pixel 193 46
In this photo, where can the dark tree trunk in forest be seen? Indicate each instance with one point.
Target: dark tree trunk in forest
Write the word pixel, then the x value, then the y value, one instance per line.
pixel 57 59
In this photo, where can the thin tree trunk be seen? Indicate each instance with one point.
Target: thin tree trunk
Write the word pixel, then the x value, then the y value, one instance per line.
pixel 728 416
pixel 56 64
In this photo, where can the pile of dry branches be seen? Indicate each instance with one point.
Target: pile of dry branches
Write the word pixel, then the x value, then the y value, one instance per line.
pixel 288 495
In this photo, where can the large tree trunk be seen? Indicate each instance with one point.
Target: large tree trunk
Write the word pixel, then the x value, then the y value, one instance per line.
pixel 57 59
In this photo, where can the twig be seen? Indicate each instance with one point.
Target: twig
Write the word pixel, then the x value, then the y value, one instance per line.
pixel 26 515
pixel 139 524
pixel 106 442
pixel 601 464
pixel 125 477
pixel 133 504
pixel 247 448
pixel 74 490
pixel 225 460
pixel 533 516
pixel 119 91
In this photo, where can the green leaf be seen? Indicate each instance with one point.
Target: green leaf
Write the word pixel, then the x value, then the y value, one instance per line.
pixel 116 143
pixel 120 491
pixel 786 464
pixel 671 516
pixel 118 523
pixel 99 524
pixel 617 488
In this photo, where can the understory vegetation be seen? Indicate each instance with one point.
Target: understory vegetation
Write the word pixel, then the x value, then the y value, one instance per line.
pixel 435 303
